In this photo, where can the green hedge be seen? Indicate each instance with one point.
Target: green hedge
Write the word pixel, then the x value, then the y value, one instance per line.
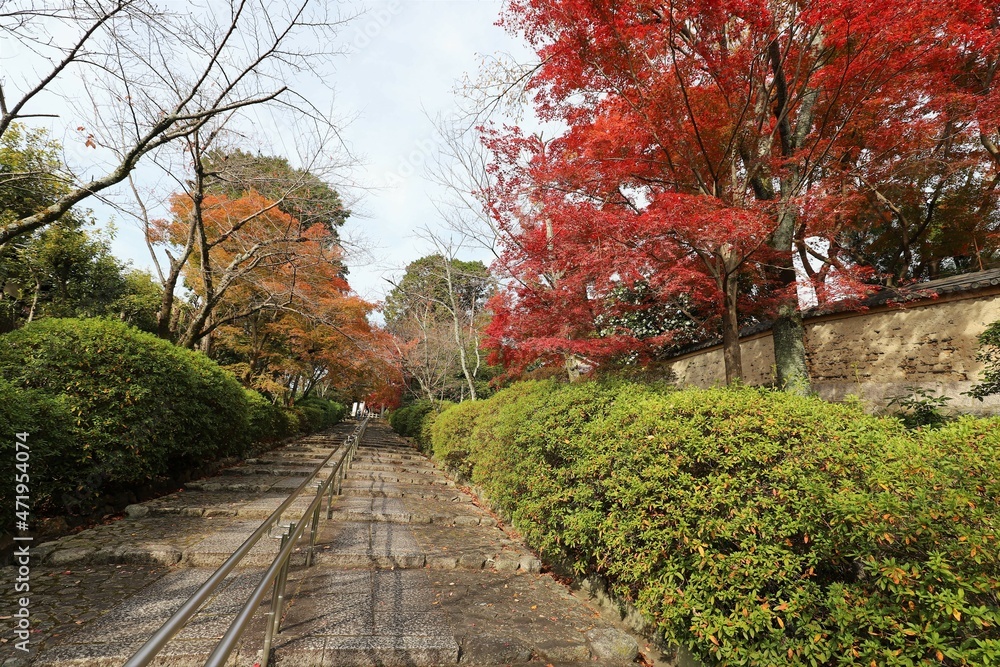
pixel 109 408
pixel 753 527
pixel 269 422
pixel 51 447
pixel 407 421
pixel 321 413
pixel 141 406
pixel 415 420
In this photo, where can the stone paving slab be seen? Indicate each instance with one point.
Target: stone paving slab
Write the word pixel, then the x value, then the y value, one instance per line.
pixel 79 579
pixel 409 510
pixel 379 489
pixel 371 617
pixel 411 573
pixel 115 636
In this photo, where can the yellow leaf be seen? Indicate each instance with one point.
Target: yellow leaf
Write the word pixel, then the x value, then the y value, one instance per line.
pixel 957 614
pixel 712 639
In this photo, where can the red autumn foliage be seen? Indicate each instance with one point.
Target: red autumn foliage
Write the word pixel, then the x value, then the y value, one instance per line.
pixel 707 142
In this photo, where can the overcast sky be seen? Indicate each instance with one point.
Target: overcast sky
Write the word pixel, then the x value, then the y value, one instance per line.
pixel 403 60
pixel 407 56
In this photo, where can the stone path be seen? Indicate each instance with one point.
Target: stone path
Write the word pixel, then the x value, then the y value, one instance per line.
pixel 409 573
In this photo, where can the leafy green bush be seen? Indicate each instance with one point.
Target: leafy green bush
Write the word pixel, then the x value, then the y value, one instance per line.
pixel 332 412
pixel 337 412
pixel 407 421
pixel 141 407
pixel 52 468
pixel 293 420
pixel 315 418
pixel 422 430
pixel 920 407
pixel 415 420
pixel 754 527
pixel 266 421
pixel 989 355
pixel 451 434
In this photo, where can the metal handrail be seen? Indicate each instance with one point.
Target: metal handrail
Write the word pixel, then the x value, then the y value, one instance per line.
pixel 276 573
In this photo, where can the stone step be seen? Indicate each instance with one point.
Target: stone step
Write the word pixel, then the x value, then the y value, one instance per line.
pixel 359 474
pixel 390 460
pixel 379 490
pixel 114 637
pixel 278 470
pixel 375 449
pixel 382 545
pixel 250 484
pixel 402 517
pixel 413 466
pixel 364 618
pixel 399 510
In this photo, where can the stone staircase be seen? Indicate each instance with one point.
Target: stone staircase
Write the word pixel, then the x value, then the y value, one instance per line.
pixel 410 572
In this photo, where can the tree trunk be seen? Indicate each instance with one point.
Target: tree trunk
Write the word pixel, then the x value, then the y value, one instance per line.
pixel 787 331
pixel 731 352
pixel 34 300
pixel 790 350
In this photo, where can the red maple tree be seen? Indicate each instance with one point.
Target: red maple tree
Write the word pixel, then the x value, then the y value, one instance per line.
pixel 707 142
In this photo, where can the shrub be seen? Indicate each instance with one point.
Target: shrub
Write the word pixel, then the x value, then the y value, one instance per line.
pixel 989 355
pixel 754 527
pixel 920 407
pixel 315 418
pixel 415 420
pixel 141 407
pixel 332 412
pixel 451 435
pixel 266 422
pixel 423 430
pixel 293 420
pixel 407 421
pixel 54 467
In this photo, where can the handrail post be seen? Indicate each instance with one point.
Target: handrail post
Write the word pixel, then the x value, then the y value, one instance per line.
pixel 279 587
pixel 310 555
pixel 329 498
pixel 276 575
pixel 269 623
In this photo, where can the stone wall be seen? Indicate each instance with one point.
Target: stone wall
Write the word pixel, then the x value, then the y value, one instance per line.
pixel 875 354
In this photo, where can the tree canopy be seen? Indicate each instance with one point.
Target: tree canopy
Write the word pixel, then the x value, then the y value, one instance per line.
pixel 743 157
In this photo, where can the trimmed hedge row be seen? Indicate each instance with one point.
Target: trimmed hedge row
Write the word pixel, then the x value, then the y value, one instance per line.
pixel 415 420
pixel 753 527
pixel 110 407
pixel 269 422
pixel 408 420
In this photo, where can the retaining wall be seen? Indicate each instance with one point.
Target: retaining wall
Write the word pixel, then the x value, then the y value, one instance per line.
pixel 874 354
